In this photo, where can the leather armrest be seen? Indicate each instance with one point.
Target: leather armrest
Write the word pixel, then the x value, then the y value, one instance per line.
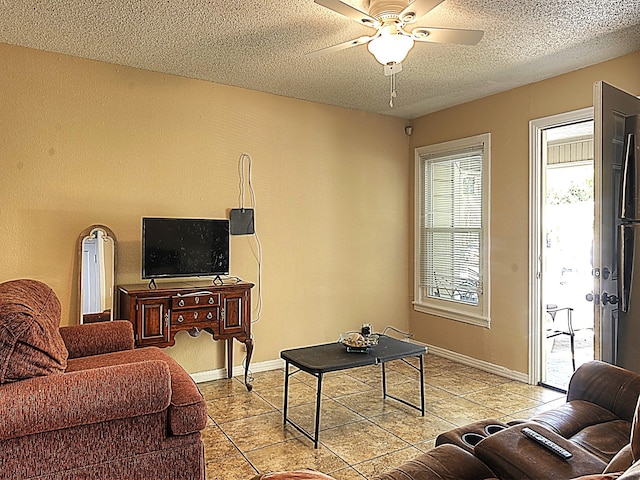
pixel 511 454
pixel 98 338
pixel 446 462
pixel 54 402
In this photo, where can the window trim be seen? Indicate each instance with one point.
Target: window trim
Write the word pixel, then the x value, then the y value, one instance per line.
pixel 471 314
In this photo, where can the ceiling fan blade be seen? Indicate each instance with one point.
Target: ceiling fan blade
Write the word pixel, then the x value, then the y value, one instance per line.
pixel 340 46
pixel 348 11
pixel 417 9
pixel 447 35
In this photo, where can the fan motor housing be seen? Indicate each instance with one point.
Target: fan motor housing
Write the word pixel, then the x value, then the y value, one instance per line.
pixel 384 9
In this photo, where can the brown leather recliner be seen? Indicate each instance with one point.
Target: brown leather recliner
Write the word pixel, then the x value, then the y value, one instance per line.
pixel 598 424
pixel 447 462
pixel 600 408
pixel 595 425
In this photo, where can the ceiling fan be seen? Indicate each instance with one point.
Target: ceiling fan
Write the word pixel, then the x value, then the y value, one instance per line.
pixel 391 43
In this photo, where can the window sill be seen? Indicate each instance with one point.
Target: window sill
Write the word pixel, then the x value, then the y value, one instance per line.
pixel 452 314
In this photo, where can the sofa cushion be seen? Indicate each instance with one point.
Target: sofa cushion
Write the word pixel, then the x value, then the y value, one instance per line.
pixel 188 409
pixel 30 343
pixel 591 426
pixel 604 439
pixel 33 405
pixel 511 454
pixel 98 338
pixel 574 416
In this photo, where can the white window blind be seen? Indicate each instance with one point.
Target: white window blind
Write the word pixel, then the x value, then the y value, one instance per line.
pixel 452 231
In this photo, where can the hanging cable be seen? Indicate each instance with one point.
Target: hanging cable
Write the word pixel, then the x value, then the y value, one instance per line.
pixel 408 335
pixel 244 163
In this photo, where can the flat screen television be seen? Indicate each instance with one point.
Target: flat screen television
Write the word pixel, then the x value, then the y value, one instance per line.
pixel 184 247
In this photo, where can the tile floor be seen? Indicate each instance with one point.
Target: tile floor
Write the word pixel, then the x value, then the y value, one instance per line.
pixel 361 434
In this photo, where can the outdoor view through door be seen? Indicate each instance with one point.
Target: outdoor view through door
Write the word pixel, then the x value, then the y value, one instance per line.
pixel 567 229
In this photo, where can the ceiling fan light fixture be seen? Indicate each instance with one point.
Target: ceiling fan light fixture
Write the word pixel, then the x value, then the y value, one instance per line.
pixel 390 47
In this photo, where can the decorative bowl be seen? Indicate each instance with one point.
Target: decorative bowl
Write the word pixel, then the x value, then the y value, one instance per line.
pixel 358 343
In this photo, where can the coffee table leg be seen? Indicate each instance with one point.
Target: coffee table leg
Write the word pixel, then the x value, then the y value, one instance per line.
pixel 384 382
pixel 286 390
pixel 422 384
pixel 317 430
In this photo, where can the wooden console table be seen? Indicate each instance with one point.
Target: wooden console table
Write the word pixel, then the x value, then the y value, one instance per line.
pixel 157 314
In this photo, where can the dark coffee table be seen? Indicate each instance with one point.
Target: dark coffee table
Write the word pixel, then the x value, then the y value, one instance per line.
pixel 331 357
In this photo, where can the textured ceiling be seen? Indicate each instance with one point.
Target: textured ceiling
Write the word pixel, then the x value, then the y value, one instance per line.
pixel 261 45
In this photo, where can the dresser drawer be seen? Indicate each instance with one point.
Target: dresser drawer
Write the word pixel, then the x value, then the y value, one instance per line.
pixel 203 299
pixel 194 316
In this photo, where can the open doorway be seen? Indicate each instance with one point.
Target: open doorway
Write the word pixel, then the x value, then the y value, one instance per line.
pixel 563 330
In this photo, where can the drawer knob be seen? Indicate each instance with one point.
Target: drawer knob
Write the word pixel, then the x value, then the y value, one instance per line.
pixel 209 316
pixel 197 300
pixel 180 319
pixel 195 315
pixel 210 300
pixel 181 303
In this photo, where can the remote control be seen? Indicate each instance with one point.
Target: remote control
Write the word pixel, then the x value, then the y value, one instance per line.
pixel 547 443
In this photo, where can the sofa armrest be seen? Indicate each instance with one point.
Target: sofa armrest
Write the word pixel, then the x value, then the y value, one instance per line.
pixel 98 338
pixel 446 462
pixel 54 402
pixel 608 386
pixel 510 454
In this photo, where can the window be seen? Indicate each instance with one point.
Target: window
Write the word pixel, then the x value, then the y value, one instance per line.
pixel 452 230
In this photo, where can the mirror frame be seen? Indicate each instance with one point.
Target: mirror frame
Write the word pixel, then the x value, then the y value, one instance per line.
pixel 85 234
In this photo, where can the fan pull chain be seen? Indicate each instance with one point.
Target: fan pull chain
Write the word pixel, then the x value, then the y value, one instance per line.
pixel 392 94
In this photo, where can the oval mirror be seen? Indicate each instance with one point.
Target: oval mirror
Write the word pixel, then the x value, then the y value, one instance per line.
pixel 97 258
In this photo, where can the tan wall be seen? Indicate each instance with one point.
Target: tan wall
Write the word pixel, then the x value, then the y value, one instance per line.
pixel 85 142
pixel 506 116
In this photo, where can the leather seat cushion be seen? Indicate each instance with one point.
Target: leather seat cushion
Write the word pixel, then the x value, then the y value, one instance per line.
pixel 604 440
pixel 591 426
pixel 572 417
pixel 512 455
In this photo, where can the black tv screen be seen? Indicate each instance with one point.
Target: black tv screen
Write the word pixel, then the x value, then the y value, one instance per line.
pixel 184 247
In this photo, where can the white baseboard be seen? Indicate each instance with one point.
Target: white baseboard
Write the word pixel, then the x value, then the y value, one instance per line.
pixel 220 373
pixel 238 370
pixel 479 364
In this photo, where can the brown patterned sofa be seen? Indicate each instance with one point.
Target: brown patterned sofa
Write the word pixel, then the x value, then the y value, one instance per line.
pixel 80 403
